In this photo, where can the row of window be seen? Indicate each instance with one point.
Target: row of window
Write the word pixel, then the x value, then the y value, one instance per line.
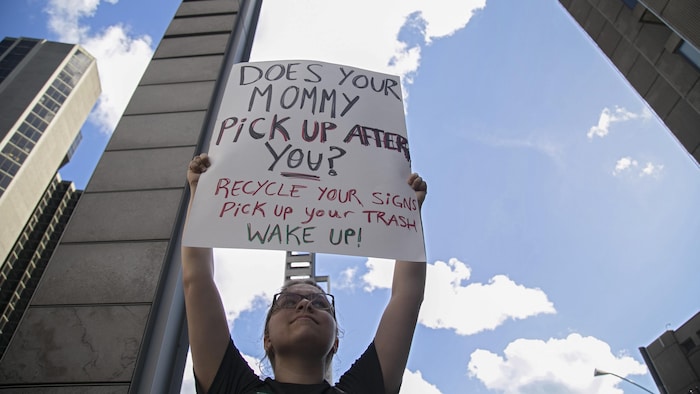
pixel 15 152
pixel 40 235
pixel 23 239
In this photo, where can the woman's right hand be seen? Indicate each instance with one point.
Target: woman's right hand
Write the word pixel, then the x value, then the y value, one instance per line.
pixel 198 165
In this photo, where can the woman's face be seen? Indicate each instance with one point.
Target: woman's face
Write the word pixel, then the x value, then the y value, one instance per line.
pixel 299 327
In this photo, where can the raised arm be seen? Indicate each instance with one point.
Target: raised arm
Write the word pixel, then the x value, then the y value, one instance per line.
pixel 395 332
pixel 206 318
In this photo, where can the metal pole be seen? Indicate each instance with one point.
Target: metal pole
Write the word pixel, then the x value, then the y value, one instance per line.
pixel 598 372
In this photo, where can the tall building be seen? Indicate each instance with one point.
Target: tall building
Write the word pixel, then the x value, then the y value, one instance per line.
pixel 47 90
pixel 655 44
pixel 108 313
pixel 30 255
pixel 674 359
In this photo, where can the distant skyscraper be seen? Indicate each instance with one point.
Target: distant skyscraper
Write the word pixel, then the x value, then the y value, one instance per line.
pixel 655 44
pixel 674 359
pixel 47 90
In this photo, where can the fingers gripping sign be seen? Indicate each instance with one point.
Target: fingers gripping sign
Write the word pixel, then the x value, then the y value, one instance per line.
pixel 198 165
pixel 419 186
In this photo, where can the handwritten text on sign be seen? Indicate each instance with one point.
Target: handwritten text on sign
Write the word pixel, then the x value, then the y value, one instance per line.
pixel 309 156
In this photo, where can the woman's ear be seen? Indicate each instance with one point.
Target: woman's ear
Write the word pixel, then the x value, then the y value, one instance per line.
pixel 267 344
pixel 334 349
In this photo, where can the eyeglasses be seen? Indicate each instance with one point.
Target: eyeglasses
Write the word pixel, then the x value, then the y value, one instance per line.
pixel 287 300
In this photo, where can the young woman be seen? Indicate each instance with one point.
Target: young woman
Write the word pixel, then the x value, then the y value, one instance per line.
pixel 301 333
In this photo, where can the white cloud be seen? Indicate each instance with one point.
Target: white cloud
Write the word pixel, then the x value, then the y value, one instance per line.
pixel 628 164
pixel 405 62
pixel 65 15
pixel 347 279
pixel 121 61
pixel 608 117
pixel 444 17
pixel 379 275
pixel 246 277
pixel 341 32
pixel 624 164
pixel 553 366
pixel 413 383
pixel 121 57
pixel 651 169
pixel 362 33
pixel 481 306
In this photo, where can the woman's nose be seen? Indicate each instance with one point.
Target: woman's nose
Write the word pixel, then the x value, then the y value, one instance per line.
pixel 304 303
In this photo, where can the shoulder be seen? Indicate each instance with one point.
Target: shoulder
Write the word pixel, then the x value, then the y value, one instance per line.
pixel 364 376
pixel 236 376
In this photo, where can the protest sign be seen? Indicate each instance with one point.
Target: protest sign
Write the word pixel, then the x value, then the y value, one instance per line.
pixel 309 156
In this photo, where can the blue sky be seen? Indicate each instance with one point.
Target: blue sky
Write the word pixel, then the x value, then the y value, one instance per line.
pixel 560 225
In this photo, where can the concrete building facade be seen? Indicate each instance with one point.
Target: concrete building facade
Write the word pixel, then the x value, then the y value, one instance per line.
pixel 655 44
pixel 674 359
pixel 108 314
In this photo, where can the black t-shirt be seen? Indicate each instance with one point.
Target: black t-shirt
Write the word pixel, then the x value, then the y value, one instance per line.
pixel 236 377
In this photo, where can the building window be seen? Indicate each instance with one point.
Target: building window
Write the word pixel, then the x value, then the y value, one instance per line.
pixel 55 94
pixel 22 142
pixel 8 166
pixel 4 182
pixel 26 130
pixel 15 153
pixel 690 53
pixel 74 145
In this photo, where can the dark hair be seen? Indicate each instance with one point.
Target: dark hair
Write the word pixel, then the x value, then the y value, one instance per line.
pixel 284 288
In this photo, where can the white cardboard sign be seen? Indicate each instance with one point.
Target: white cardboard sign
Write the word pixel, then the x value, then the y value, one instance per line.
pixel 309 156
